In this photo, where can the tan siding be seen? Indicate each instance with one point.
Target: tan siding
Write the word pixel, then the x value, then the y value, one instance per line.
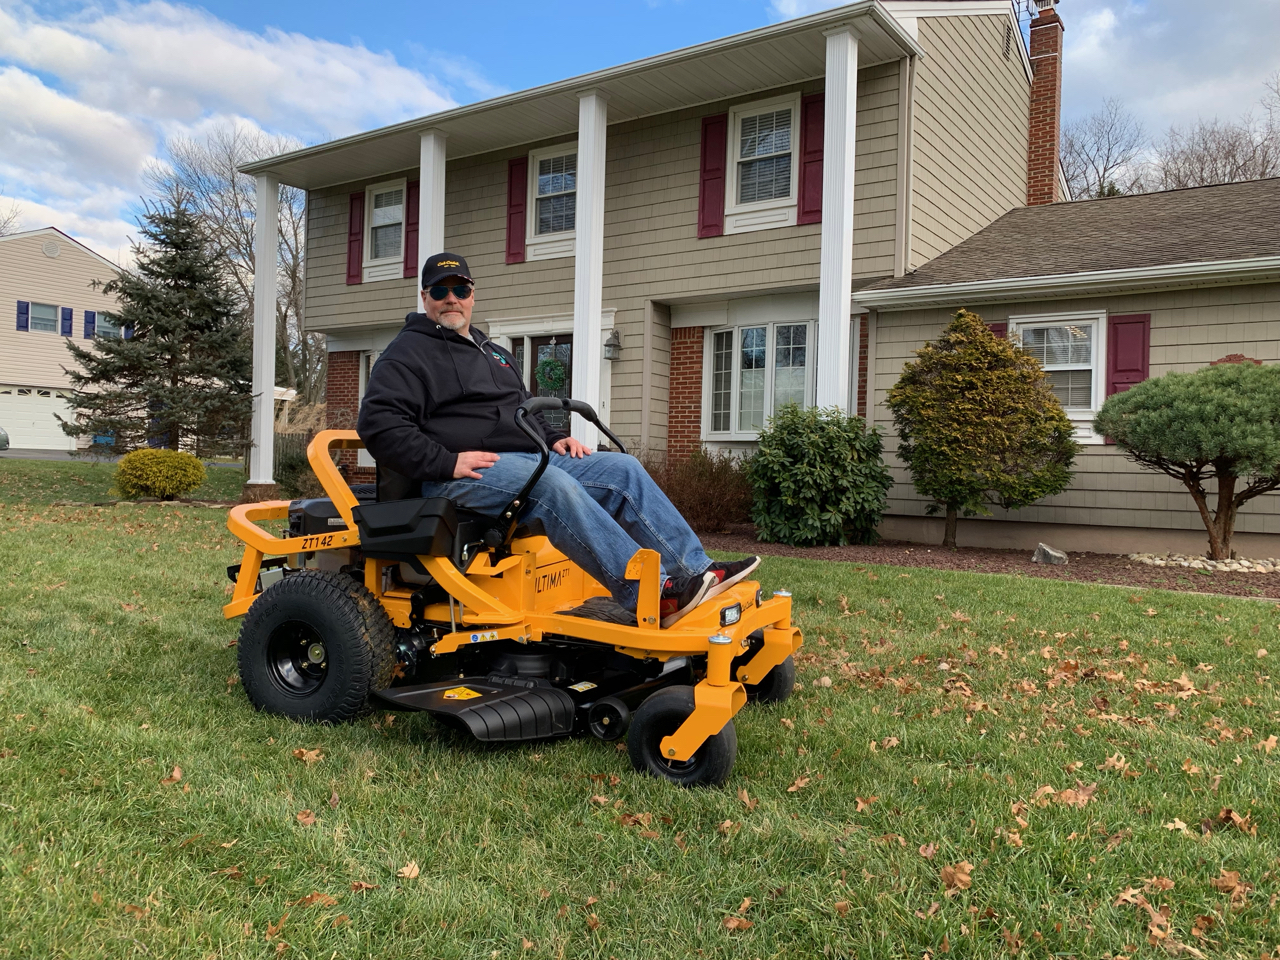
pixel 1188 330
pixel 970 137
pixel 34 358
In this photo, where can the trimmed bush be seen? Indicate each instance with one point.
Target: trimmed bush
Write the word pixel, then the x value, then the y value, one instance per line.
pixel 711 490
pixel 164 474
pixel 818 479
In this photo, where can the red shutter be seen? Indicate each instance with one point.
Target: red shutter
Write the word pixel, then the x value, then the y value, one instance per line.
pixel 812 110
pixel 517 206
pixel 1128 350
pixel 355 239
pixel 711 184
pixel 1001 330
pixel 411 228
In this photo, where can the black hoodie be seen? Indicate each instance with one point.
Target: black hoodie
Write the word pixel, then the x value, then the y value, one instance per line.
pixel 434 394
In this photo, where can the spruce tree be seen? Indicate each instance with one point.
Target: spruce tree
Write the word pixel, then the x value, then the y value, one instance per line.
pixel 180 374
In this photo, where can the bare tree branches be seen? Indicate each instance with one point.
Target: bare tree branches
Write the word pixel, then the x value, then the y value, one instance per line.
pixel 10 221
pixel 1101 153
pixel 1214 151
pixel 224 199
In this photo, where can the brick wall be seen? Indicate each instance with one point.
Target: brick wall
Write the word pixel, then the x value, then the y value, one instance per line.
pixel 342 406
pixel 1046 103
pixel 684 407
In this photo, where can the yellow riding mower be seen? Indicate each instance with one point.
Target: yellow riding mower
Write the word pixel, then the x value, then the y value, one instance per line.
pixel 418 604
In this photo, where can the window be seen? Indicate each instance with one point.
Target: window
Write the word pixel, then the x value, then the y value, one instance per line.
pixel 44 318
pixel 1071 349
pixel 384 231
pixel 107 325
pixel 763 157
pixel 552 215
pixel 755 369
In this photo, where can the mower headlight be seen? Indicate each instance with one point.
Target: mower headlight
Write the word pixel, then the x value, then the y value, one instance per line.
pixel 759 596
pixel 730 615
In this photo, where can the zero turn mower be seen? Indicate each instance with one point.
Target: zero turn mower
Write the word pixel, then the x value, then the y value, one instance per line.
pixel 417 604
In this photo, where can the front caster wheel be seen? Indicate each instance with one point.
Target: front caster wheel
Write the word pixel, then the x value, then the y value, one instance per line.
pixel 660 716
pixel 776 685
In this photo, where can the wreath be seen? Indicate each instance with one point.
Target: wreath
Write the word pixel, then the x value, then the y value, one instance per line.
pixel 550 374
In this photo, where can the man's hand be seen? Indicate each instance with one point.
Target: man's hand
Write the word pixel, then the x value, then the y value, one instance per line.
pixel 472 461
pixel 571 447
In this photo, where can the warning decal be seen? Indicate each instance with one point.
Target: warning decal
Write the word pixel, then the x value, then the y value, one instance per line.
pixel 461 693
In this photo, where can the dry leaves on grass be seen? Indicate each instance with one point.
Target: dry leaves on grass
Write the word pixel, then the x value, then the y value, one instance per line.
pixel 409 871
pixel 1231 884
pixel 359 886
pixel 306 818
pixel 173 777
pixel 1176 825
pixel 747 799
pixel 636 819
pixel 864 803
pixel 1159 927
pixel 1229 818
pixel 928 850
pixel 957 877
pixel 314 898
pixel 274 929
pixel 1268 744
pixel 800 784
pixel 308 756
pixel 1077 796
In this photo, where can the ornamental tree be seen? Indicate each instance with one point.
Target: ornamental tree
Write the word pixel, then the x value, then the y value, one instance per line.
pixel 1220 423
pixel 978 424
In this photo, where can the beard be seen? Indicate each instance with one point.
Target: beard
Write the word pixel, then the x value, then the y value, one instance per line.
pixel 452 320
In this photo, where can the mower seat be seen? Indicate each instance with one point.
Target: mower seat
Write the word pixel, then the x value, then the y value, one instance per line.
pixel 403 530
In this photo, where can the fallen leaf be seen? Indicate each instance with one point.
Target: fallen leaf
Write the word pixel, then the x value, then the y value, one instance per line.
pixel 339 920
pixel 735 923
pixel 603 801
pixel 864 803
pixel 308 756
pixel 306 818
pixel 1157 883
pixel 788 723
pixel 359 886
pixel 134 910
pixel 800 784
pixel 1244 824
pixel 842 907
pixel 1176 824
pixel 928 850
pixel 1203 925
pixel 1190 768
pixel 956 878
pixel 408 871
pixel 747 799
pixel 1078 796
pixel 333 800
pixel 1128 897
pixel 1115 762
pixel 313 898
pixel 273 929
pixel 174 777
pixel 1268 744
pixel 745 905
pixel 1231 884
pixel 650 834
pixel 231 872
pixel 593 922
pixel 526 943
pixel 1260 653
pixel 728 827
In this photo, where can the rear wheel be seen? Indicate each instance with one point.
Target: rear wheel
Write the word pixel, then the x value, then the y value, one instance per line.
pixel 315 646
pixel 660 716
pixel 776 685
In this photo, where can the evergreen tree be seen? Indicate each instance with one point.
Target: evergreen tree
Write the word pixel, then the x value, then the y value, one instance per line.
pixel 977 424
pixel 180 373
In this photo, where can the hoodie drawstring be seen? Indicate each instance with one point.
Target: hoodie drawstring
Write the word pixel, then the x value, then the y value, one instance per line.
pixel 449 349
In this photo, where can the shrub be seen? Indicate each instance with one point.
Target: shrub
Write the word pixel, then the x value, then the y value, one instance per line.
pixel 1220 423
pixel 711 490
pixel 818 479
pixel 978 424
pixel 292 470
pixel 164 474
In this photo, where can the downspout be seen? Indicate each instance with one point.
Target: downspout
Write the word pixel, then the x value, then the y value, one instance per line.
pixel 906 139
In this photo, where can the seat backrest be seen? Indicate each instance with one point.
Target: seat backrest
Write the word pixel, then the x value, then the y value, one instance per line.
pixel 396 486
pixel 406 529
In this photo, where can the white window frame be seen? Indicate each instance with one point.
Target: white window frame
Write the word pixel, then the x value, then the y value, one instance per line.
pixel 1080 418
pixel 106 319
pixel 708 374
pixel 761 214
pixel 31 318
pixel 385 268
pixel 546 246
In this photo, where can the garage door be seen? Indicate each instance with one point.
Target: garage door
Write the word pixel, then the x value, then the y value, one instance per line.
pixel 27 415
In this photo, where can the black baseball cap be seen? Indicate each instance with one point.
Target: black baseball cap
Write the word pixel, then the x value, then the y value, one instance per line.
pixel 444 265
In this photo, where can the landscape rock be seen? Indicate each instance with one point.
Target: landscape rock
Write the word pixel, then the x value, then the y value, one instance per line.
pixel 1047 554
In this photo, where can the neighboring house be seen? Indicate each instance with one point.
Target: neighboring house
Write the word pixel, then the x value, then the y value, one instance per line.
pixel 707 213
pixel 1105 293
pixel 47 279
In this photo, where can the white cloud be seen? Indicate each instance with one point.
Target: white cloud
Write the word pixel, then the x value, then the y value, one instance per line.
pixel 87 98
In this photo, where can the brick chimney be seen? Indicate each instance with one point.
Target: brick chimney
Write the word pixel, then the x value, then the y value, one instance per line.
pixel 1046 105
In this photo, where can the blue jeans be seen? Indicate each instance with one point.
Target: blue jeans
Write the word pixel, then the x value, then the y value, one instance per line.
pixel 597 510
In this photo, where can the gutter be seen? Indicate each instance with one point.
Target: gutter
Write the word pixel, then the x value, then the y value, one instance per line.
pixel 1204 272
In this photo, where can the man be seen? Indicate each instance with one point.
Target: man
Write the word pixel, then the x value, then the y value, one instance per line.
pixel 440 408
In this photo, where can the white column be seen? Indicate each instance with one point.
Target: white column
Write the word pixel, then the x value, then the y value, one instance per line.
pixel 430 196
pixel 266 261
pixel 836 272
pixel 588 268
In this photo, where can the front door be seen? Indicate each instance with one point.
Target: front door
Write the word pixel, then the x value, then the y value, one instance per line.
pixel 552 373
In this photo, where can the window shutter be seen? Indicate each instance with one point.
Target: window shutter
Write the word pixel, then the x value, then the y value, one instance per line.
pixel 411 194
pixel 1128 351
pixel 67 321
pixel 1001 330
pixel 517 207
pixel 355 239
pixel 126 331
pixel 812 110
pixel 24 315
pixel 711 184
pixel 90 323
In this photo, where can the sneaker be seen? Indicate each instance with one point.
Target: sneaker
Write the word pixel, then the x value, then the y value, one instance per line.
pixel 680 595
pixel 727 574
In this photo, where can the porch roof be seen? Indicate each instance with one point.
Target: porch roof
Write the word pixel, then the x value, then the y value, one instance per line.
pixel 761 59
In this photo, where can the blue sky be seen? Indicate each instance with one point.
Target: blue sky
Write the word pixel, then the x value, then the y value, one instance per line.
pixel 89 91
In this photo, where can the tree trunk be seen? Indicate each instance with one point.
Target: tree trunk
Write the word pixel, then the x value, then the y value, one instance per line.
pixel 1224 518
pixel 949 536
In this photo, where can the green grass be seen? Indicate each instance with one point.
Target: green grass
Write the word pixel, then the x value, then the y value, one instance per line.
pixel 115 666
pixel 84 481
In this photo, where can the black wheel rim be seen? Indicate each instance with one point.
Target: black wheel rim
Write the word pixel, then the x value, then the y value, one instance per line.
pixel 297 659
pixel 678 768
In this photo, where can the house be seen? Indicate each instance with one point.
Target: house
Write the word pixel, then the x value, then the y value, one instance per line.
pixel 707 213
pixel 52 284
pixel 1105 293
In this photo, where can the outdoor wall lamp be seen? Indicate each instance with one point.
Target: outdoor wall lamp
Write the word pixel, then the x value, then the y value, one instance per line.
pixel 613 346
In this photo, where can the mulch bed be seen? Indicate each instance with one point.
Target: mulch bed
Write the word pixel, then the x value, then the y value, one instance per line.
pixel 1107 568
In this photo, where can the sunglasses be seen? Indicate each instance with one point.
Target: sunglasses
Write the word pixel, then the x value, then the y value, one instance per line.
pixel 462 291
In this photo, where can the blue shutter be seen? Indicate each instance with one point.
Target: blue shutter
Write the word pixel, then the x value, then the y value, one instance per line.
pixel 90 323
pixel 126 331
pixel 66 321
pixel 24 315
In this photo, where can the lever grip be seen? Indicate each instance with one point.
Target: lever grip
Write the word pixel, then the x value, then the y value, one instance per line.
pixel 580 407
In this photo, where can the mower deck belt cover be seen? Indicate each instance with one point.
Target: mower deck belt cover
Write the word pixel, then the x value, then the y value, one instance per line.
pixel 493 708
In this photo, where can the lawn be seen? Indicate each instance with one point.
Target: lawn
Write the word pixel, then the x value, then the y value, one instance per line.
pixel 937 797
pixel 87 481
